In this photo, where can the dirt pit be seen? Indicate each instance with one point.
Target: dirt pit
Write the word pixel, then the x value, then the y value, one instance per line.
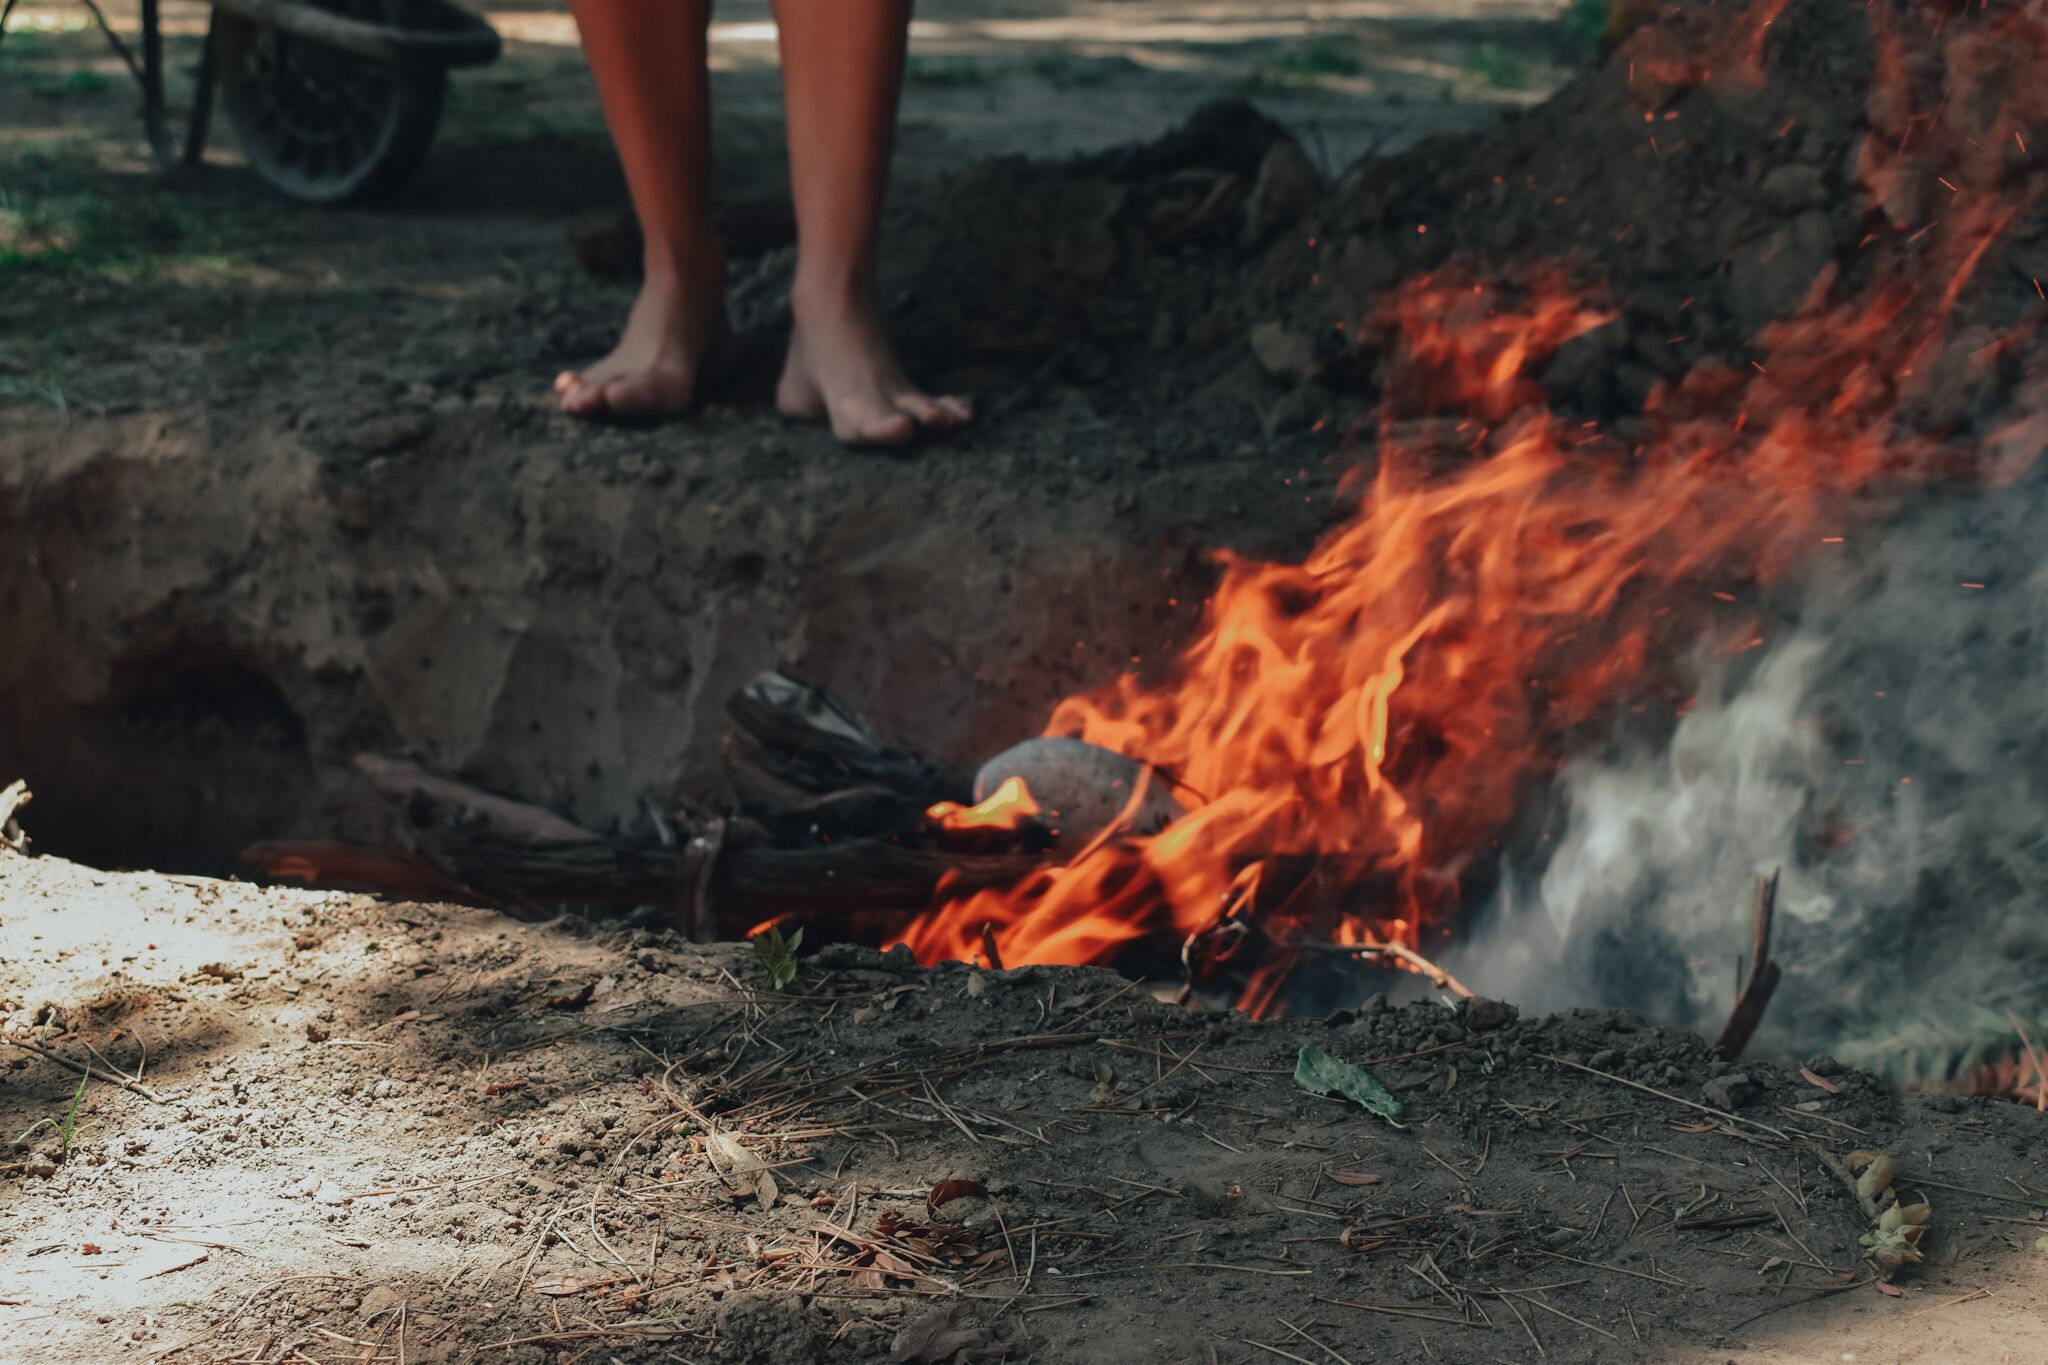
pixel 381 1132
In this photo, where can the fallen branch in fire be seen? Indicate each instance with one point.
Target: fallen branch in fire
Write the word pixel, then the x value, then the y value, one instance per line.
pixel 834 834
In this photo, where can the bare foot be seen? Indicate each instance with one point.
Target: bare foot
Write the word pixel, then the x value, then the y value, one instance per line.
pixel 842 370
pixel 675 332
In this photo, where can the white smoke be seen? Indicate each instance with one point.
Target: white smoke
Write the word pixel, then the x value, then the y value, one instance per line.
pixel 1888 751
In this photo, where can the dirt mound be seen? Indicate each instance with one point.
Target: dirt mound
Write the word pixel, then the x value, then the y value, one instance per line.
pixel 384 1131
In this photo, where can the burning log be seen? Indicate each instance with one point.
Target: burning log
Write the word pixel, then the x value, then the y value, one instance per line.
pixel 871 883
pixel 1763 974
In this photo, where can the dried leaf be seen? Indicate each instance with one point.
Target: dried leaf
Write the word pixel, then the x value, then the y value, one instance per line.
pixel 946 1191
pixel 1319 1073
pixel 1353 1178
pixel 1360 1240
pixel 766 1190
pixel 976 984
pixel 1695 1127
pixel 506 1087
pixel 1823 1082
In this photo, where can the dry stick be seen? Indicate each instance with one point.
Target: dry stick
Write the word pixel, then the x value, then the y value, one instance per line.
pixel 1721 1114
pixel 1763 974
pixel 1396 1311
pixel 2040 1062
pixel 124 1082
pixel 1443 979
pixel 1303 1334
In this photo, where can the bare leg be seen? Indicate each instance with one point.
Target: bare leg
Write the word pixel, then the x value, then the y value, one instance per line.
pixel 842 68
pixel 649 63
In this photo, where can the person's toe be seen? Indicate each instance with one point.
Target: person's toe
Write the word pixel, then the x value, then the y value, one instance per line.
pixel 959 409
pixel 926 412
pixel 877 427
pixel 581 398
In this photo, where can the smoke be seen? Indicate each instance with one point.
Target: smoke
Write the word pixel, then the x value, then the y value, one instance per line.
pixel 1888 751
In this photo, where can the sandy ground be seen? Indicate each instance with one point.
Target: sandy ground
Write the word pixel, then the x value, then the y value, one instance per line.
pixel 383 1132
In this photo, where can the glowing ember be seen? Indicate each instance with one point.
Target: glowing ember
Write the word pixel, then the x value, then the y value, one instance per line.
pixel 1354 733
pixel 1008 807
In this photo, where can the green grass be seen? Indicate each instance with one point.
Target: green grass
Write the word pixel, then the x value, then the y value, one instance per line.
pixel 47 388
pixel 1586 23
pixel 1498 67
pixel 776 958
pixel 67 1128
pixel 1070 72
pixel 1306 66
pixel 947 72
pixel 62 216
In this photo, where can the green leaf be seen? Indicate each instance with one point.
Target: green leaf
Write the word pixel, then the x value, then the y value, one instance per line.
pixel 1319 1073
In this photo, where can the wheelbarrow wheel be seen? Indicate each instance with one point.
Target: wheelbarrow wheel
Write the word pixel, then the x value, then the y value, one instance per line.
pixel 319 124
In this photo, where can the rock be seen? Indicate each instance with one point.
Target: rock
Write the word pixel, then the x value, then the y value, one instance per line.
pixel 1287 188
pixel 765 1327
pixel 1484 1016
pixel 944 1336
pixel 1299 410
pixel 1284 354
pixel 379 1300
pixel 1820 1064
pixel 1366 267
pixel 330 1194
pixel 1795 186
pixel 1081 788
pixel 1730 1092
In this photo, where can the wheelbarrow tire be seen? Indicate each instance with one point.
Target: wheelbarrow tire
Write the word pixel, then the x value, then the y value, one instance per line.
pixel 320 125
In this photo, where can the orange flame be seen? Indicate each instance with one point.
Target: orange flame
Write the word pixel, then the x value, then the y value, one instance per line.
pixel 1363 725
pixel 1009 807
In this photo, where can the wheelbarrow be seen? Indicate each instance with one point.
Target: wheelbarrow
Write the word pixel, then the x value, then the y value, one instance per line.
pixel 332 101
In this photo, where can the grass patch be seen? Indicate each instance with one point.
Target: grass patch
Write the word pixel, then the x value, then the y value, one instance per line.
pixel 1071 72
pixel 1498 67
pixel 947 72
pixel 1585 24
pixel 1307 66
pixel 67 1128
pixel 46 389
pixel 61 216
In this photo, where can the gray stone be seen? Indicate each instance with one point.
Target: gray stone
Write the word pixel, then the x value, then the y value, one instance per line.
pixel 1730 1092
pixel 1284 354
pixel 765 1327
pixel 1484 1016
pixel 1287 188
pixel 1081 788
pixel 1795 186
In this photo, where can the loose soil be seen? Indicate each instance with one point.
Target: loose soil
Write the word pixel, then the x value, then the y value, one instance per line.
pixel 424 1133
pixel 279 487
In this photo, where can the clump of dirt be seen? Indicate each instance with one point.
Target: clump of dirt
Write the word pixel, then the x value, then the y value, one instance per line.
pixel 421 1132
